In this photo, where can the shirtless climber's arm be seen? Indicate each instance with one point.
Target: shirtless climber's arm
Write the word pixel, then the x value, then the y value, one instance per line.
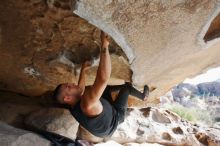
pixel 94 93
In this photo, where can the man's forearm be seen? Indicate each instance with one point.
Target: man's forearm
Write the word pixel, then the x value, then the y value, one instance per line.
pixel 81 81
pixel 104 70
pixel 103 74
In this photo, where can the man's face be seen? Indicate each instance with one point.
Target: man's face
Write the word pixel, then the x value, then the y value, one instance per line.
pixel 69 93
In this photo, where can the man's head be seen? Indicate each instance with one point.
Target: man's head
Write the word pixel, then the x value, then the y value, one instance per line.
pixel 67 93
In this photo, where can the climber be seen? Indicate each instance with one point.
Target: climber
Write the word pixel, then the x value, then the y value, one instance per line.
pixel 93 106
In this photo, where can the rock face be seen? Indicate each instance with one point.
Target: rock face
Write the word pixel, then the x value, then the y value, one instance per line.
pixel 164 41
pixel 42 44
pixel 10 136
pixel 113 143
pixel 155 125
pixel 26 112
pixel 55 120
pixel 141 126
pixel 14 108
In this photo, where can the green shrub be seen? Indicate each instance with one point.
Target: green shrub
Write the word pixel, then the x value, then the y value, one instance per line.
pixel 183 112
pixel 192 114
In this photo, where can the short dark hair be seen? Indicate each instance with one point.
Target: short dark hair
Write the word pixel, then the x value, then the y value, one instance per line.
pixel 56 94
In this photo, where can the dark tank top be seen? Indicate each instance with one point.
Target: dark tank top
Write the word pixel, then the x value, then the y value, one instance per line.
pixel 102 125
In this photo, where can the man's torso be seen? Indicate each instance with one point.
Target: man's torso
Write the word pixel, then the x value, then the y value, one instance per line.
pixel 101 125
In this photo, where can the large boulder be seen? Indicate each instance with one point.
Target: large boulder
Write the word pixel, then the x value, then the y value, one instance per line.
pixel 55 120
pixel 165 41
pixel 14 108
pixel 33 113
pixel 10 136
pixel 141 126
pixel 43 44
pixel 155 125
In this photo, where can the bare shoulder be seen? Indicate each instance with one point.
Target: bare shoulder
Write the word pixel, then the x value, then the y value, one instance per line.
pixel 86 97
pixel 91 110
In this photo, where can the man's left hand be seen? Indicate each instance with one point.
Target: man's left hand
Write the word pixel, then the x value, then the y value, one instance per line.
pixel 104 40
pixel 86 65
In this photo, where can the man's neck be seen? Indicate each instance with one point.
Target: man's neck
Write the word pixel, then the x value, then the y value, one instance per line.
pixel 74 102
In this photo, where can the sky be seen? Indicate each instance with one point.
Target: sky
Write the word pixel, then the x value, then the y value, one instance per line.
pixel 210 76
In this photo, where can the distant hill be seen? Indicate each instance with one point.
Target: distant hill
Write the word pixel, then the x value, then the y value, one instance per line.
pixel 208 89
pixel 218 80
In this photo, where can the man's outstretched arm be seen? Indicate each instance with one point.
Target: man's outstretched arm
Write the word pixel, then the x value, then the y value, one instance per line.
pixel 103 72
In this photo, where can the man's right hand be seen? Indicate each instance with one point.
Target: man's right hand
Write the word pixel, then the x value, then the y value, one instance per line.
pixel 104 40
